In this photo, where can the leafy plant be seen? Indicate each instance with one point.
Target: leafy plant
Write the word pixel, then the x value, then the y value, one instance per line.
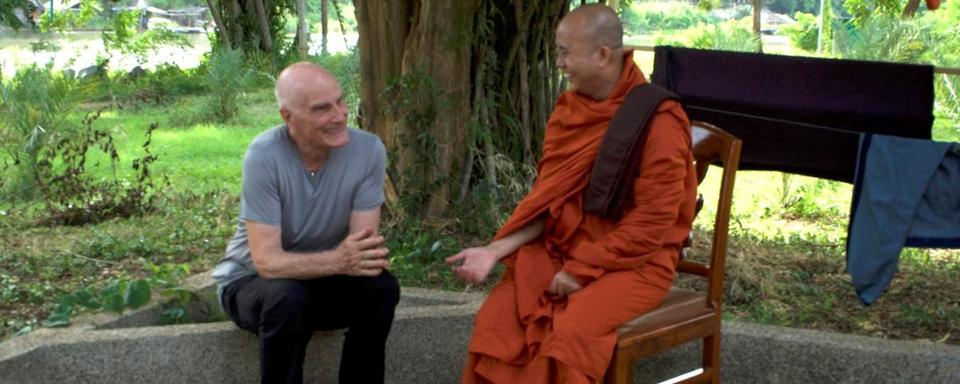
pixel 122 35
pixel 36 103
pixel 803 33
pixel 227 77
pixel 120 294
pixel 117 296
pixel 731 35
pixel 863 10
pixel 884 38
pixel 647 17
pixel 72 197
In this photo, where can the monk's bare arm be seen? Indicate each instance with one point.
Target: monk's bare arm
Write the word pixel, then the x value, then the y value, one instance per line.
pixel 360 254
pixel 514 241
pixel 473 265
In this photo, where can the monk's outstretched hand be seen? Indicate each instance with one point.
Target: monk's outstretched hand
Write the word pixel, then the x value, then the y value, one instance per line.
pixel 472 265
pixel 564 284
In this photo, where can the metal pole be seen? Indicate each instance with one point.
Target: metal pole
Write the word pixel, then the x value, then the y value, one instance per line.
pixel 51 10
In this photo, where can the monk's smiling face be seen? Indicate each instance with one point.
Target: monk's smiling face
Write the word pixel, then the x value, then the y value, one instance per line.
pixel 590 50
pixel 576 58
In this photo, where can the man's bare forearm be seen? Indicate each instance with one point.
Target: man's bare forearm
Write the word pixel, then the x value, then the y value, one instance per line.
pixel 301 266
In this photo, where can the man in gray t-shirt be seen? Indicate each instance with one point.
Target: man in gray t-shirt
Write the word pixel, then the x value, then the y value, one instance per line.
pixel 306 254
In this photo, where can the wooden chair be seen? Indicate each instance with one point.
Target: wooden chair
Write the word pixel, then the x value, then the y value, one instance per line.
pixel 687 315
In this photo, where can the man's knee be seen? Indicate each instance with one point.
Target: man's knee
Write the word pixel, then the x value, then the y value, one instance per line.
pixel 386 288
pixel 284 300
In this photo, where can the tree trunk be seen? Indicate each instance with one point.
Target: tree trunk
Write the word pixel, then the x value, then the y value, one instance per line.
pixel 324 15
pixel 249 25
pixel 302 32
pixel 757 10
pixel 221 27
pixel 910 9
pixel 266 42
pixel 459 91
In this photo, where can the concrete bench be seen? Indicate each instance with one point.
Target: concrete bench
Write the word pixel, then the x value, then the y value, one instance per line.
pixel 428 345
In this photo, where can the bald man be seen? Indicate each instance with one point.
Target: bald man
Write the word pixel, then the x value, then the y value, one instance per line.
pixel 306 254
pixel 573 277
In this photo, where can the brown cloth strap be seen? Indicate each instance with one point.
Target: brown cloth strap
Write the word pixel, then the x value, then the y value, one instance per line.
pixel 611 181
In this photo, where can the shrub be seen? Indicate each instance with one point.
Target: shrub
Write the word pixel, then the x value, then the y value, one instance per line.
pixel 803 33
pixel 731 35
pixel 35 104
pixel 71 196
pixel 884 38
pixel 227 78
pixel 647 17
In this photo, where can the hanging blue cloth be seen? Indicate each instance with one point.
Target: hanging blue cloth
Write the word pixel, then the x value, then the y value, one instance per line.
pixel 906 193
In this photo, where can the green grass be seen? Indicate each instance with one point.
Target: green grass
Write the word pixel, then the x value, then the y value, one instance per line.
pixel 197 156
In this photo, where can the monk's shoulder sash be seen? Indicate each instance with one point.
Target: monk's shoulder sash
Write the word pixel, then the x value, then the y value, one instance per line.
pixel 611 181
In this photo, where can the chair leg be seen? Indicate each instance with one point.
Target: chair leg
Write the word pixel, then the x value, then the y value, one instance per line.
pixel 711 356
pixel 620 370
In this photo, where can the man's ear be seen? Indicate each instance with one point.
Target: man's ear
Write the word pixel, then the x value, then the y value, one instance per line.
pixel 285 114
pixel 605 55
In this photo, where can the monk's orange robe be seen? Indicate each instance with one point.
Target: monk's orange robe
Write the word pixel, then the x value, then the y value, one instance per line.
pixel 524 334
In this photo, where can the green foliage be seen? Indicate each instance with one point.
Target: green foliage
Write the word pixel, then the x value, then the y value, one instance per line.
pixel 413 101
pixel 122 35
pixel 71 196
pixel 120 294
pixel 68 19
pixel 885 38
pixel 863 10
pixel 417 251
pixel 790 6
pixel 809 201
pixel 345 67
pixel 35 103
pixel 9 10
pixel 227 77
pixel 646 17
pixel 730 35
pixel 162 85
pixel 803 33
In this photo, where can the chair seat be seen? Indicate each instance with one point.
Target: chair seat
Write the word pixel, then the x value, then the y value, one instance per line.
pixel 679 305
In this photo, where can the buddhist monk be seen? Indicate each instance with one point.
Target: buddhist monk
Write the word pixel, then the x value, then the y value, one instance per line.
pixel 571 277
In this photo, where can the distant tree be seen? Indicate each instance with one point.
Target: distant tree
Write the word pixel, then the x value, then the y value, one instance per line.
pixel 255 25
pixel 9 10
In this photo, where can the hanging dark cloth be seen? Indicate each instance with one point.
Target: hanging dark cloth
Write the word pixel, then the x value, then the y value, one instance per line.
pixel 906 193
pixel 797 114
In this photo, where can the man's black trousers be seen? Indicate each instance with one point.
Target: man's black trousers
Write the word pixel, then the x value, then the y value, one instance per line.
pixel 285 312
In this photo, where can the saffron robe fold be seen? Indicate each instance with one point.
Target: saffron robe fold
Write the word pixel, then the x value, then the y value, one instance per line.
pixel 524 334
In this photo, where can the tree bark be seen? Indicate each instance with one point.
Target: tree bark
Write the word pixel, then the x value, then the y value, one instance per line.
pixel 756 24
pixel 222 32
pixel 266 42
pixel 910 9
pixel 324 15
pixel 383 27
pixel 302 33
pixel 458 90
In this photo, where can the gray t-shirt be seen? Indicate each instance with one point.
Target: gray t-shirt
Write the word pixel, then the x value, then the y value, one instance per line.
pixel 312 211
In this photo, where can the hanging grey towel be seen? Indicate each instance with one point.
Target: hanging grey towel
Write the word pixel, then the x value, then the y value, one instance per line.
pixel 906 193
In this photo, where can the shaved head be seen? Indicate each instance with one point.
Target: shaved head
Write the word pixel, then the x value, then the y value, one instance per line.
pixel 598 24
pixel 295 81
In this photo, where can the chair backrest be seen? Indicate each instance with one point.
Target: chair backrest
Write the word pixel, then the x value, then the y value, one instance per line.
pixel 712 145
